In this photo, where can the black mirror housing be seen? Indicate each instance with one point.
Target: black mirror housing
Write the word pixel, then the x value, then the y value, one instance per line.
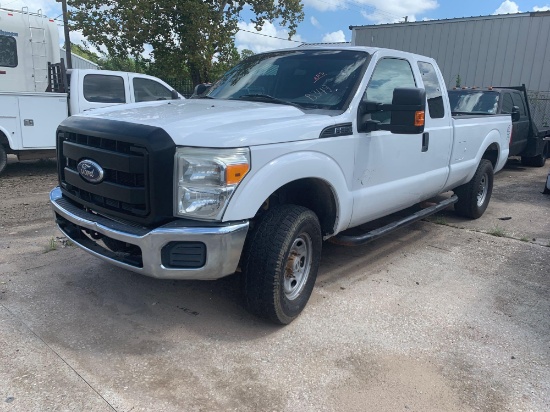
pixel 407 112
pixel 201 89
pixel 174 95
pixel 515 114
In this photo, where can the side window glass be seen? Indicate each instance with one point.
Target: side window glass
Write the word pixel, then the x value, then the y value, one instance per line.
pixel 518 101
pixel 100 88
pixel 507 104
pixel 146 90
pixel 433 90
pixel 388 75
pixel 8 51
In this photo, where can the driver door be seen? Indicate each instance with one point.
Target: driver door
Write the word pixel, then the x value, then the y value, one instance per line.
pixel 392 171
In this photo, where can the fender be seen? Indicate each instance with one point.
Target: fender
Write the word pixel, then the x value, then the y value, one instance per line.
pixel 4 133
pixel 258 186
pixel 464 171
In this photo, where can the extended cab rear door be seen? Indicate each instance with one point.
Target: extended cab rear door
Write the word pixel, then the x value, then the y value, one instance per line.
pixel 394 171
pixel 91 89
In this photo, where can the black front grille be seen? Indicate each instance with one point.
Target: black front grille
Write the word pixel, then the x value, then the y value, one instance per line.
pixel 137 161
pixel 123 188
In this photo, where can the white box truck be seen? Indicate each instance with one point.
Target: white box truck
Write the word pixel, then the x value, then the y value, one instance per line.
pixel 36 93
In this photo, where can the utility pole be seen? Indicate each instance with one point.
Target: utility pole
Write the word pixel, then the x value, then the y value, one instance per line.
pixel 66 30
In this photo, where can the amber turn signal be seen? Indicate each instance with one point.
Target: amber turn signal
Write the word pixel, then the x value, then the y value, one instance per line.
pixel 235 173
pixel 419 119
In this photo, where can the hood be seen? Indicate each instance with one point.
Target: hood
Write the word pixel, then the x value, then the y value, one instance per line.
pixel 221 123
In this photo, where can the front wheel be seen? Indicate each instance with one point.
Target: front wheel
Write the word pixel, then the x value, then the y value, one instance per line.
pixel 474 196
pixel 280 263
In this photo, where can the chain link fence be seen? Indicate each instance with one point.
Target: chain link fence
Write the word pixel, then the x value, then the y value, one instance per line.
pixel 539 102
pixel 183 86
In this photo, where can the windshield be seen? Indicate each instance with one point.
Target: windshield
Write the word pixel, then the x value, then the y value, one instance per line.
pixel 309 79
pixel 464 101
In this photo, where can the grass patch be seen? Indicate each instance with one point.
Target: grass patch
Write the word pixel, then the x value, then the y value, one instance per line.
pixel 439 220
pixel 52 245
pixel 497 231
pixel 524 239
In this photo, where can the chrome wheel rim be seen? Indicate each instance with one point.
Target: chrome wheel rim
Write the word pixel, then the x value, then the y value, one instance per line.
pixel 297 266
pixel 482 190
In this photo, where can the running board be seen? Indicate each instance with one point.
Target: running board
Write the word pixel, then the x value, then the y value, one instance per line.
pixel 347 240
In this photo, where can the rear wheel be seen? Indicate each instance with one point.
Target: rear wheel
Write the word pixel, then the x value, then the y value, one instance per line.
pixel 3 158
pixel 536 161
pixel 474 196
pixel 280 263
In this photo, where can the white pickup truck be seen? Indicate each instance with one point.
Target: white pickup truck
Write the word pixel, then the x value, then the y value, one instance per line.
pixel 28 120
pixel 288 149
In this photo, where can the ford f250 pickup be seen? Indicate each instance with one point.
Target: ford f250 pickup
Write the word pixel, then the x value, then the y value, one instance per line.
pixel 287 149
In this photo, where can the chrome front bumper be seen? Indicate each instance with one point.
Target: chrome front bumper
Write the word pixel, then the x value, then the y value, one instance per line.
pixel 224 243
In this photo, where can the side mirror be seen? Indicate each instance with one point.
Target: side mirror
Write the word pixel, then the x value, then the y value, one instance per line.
pixel 407 112
pixel 174 95
pixel 515 114
pixel 201 89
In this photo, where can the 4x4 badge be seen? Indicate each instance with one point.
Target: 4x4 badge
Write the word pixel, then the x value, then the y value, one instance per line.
pixel 90 171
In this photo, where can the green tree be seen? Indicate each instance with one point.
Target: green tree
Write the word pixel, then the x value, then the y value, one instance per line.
pixel 184 34
pixel 246 53
pixel 83 51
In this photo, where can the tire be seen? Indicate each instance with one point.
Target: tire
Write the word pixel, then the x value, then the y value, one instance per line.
pixel 536 161
pixel 474 196
pixel 3 158
pixel 280 262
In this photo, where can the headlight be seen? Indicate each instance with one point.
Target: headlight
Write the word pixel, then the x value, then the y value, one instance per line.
pixel 205 179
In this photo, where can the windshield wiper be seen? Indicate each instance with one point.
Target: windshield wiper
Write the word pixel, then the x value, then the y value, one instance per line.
pixel 269 99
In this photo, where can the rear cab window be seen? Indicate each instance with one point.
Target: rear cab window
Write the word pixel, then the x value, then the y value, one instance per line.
pixel 474 101
pixel 147 90
pixel 518 101
pixel 434 95
pixel 101 88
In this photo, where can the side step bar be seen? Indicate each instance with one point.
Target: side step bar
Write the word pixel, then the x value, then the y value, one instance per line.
pixel 347 240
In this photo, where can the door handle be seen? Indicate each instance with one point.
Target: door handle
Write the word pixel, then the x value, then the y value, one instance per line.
pixel 425 141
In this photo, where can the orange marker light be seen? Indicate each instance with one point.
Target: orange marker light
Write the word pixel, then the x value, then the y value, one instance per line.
pixel 235 173
pixel 419 118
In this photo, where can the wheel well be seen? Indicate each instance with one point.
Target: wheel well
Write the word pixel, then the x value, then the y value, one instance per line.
pixel 3 139
pixel 491 154
pixel 315 194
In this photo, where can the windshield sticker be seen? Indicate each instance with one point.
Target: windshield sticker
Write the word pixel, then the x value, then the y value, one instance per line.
pixel 321 91
pixel 318 77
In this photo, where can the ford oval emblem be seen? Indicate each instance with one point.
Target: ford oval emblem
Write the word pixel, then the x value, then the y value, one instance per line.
pixel 90 171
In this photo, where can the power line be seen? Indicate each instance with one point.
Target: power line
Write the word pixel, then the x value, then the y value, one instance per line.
pixel 267 35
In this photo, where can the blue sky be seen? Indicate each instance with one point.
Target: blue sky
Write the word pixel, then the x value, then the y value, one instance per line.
pixel 329 20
